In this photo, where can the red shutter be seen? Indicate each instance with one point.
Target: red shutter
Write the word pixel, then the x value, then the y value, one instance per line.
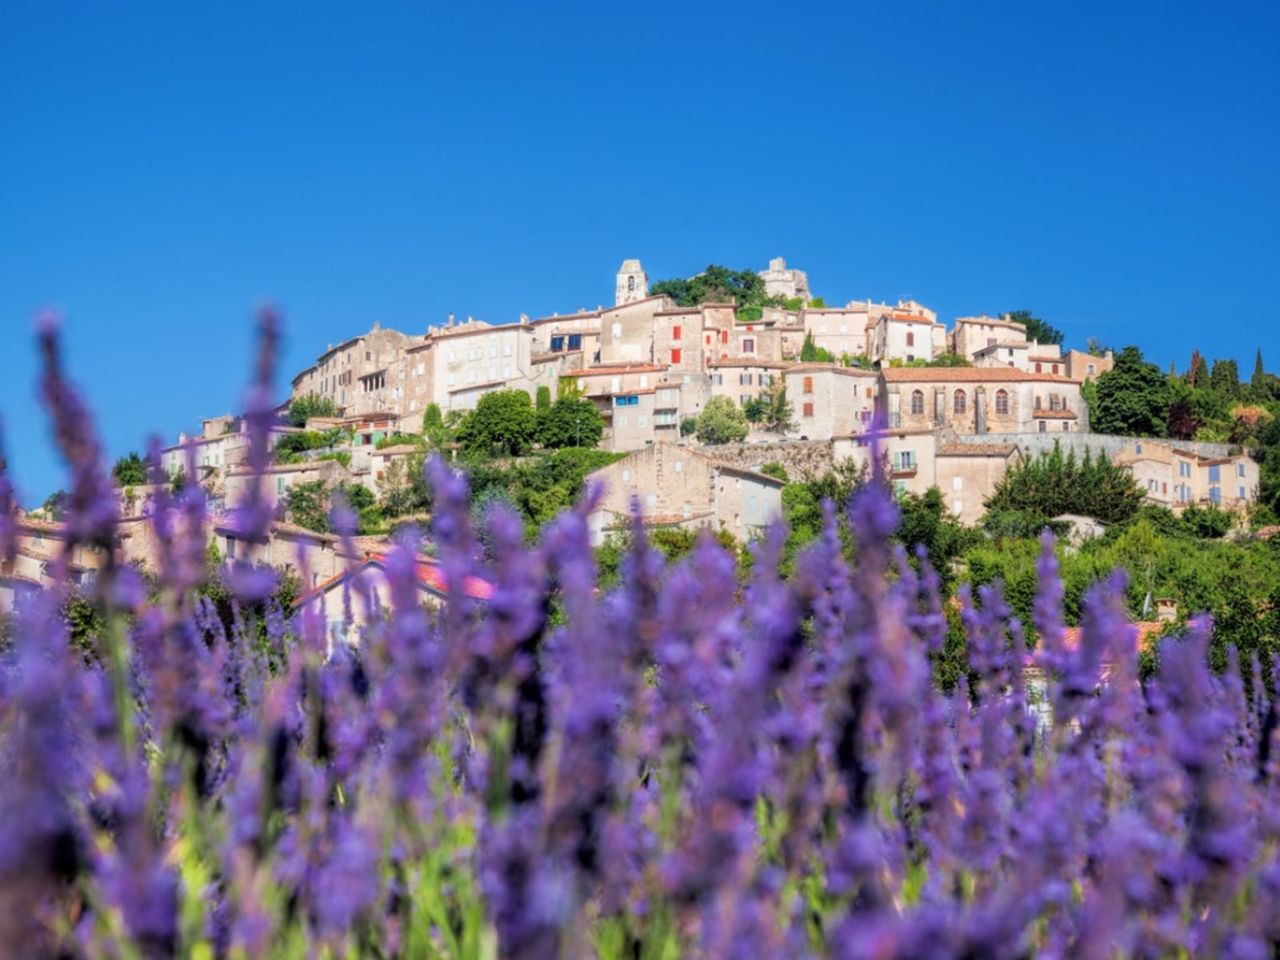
pixel 675 354
pixel 675 332
pixel 808 409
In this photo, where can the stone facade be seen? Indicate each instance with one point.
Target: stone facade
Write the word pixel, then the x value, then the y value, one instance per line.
pixel 1175 476
pixel 830 400
pixel 843 331
pixel 743 380
pixel 981 400
pixel 782 281
pixel 971 334
pixel 680 486
pixel 633 283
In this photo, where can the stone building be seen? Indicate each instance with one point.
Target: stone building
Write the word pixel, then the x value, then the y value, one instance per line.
pixel 841 330
pixel 742 380
pixel 679 486
pixel 906 337
pixel 353 374
pixel 1086 366
pixel 1175 477
pixel 279 479
pixel 633 283
pixel 639 402
pixel 829 399
pixel 980 400
pixel 782 281
pixel 971 334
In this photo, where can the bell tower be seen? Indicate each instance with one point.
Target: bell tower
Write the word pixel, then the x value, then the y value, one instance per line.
pixel 633 284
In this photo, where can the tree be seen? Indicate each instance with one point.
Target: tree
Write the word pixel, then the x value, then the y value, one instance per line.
pixel 776 470
pixel 130 470
pixel 1225 379
pixel 775 410
pixel 1198 372
pixel 307 505
pixel 1259 379
pixel 721 421
pixel 1132 399
pixel 810 352
pixel 503 422
pixel 1037 329
pixel 570 422
pixel 717 284
pixel 55 505
pixel 688 425
pixel 1054 484
pixel 309 405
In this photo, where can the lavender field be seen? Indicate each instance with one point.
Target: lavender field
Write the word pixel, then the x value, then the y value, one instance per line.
pixel 688 764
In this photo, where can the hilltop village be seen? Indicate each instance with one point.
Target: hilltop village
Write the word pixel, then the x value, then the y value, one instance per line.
pixel 696 406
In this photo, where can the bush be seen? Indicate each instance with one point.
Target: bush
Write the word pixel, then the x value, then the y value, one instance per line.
pixel 721 421
pixel 303 408
pixel 503 423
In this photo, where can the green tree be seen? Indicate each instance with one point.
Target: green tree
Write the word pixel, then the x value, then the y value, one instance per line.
pixel 570 422
pixel 55 505
pixel 717 284
pixel 1037 329
pixel 775 410
pixel 1225 379
pixel 1132 399
pixel 309 405
pixel 776 470
pixel 721 421
pixel 1198 372
pixel 503 422
pixel 542 399
pixel 1054 484
pixel 810 352
pixel 688 426
pixel 130 470
pixel 1259 379
pixel 307 505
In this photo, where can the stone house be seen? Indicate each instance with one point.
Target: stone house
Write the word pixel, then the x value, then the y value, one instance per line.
pixel 841 330
pixel 313 557
pixel 971 334
pixel 40 546
pixel 362 590
pixel 639 402
pixel 906 337
pixel 278 479
pixel 1086 366
pixel 353 373
pixel 829 399
pixel 1175 477
pixel 680 486
pixel 979 400
pixel 741 379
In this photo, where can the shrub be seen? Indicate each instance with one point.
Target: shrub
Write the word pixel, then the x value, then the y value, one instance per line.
pixel 721 421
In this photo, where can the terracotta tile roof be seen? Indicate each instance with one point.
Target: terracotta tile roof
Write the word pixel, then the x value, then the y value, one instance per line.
pixel 430 576
pixel 741 362
pixel 910 318
pixel 657 519
pixel 830 368
pixel 1039 414
pixel 968 375
pixel 398 449
pixel 990 322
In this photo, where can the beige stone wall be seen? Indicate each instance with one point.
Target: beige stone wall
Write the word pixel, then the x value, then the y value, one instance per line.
pixel 830 400
pixel 742 381
pixel 924 404
pixel 667 481
pixel 971 334
pixel 1085 366
pixel 966 481
pixel 842 331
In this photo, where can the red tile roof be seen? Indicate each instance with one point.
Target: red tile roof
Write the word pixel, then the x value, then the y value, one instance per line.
pixel 618 370
pixel 968 375
pixel 430 576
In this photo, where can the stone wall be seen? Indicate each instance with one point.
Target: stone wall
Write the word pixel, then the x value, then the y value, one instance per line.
pixel 800 457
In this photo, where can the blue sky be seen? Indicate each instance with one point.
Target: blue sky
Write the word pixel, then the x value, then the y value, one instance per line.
pixel 168 167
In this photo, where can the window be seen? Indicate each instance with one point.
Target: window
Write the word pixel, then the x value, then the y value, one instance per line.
pixel 724 336
pixel 904 460
pixel 1055 368
pixel 1038 368
pixel 506 349
pixel 629 401
pixel 911 338
pixel 675 332
pixel 1066 426
pixel 644 421
pixel 1239 469
pixel 644 380
pixel 1055 402
pixel 1010 353
pixel 917 403
pixel 957 483
pixel 808 410
pixel 679 467
pixel 718 379
pixel 808 384
pixel 1215 495
pixel 368 355
pixel 959 403
pixel 1044 427
pixel 1002 402
pixel 616 330
pixel 1215 474
pixel 744 398
pixel 749 345
pixel 1137 448
pixel 675 354
pixel 626 476
pixel 1242 493
pixel 622 422
pixel 631 284
pixel 958 507
pixel 575 341
pixel 493 351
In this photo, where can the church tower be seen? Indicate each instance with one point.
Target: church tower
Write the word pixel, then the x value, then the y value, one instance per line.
pixel 633 284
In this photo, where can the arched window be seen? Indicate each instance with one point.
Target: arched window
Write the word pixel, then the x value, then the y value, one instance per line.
pixel 917 402
pixel 958 402
pixel 1002 402
pixel 631 284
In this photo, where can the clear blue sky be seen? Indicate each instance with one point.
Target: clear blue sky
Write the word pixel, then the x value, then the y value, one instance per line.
pixel 167 167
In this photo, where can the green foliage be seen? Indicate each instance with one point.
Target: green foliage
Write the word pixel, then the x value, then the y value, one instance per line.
pixel 1225 379
pixel 688 425
pixel 810 352
pixel 309 405
pixel 717 284
pixel 55 505
pixel 570 422
pixel 1132 399
pixel 776 470
pixel 307 505
pixel 802 499
pixel 859 361
pixel 948 359
pixel 1207 523
pixel 338 456
pixel 541 486
pixel 749 314
pixel 290 446
pixel 924 523
pixel 721 421
pixel 770 409
pixel 1054 484
pixel 503 423
pixel 130 470
pixel 542 399
pixel 401 439
pixel 1037 329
